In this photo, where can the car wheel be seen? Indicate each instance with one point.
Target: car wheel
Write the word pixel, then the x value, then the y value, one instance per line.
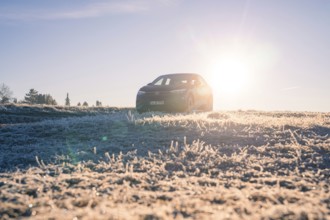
pixel 140 109
pixel 209 104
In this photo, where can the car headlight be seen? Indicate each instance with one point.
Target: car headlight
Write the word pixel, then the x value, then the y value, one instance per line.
pixel 178 91
pixel 141 92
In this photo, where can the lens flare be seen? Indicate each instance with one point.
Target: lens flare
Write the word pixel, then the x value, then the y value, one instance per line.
pixel 229 76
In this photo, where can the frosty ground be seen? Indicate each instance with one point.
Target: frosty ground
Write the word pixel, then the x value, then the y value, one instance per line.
pixel 110 163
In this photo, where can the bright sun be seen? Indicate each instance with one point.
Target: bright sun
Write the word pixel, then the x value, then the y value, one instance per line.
pixel 229 76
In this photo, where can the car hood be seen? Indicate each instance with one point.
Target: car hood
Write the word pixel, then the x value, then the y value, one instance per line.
pixel 153 88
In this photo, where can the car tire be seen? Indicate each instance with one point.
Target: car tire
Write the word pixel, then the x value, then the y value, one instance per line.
pixel 209 105
pixel 140 109
pixel 140 112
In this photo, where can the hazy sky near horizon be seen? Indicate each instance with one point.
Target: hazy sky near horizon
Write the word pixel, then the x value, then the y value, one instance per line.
pixel 107 50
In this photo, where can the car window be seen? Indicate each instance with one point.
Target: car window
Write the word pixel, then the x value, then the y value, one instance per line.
pixel 196 82
pixel 175 81
pixel 158 82
pixel 203 82
pixel 168 81
pixel 179 81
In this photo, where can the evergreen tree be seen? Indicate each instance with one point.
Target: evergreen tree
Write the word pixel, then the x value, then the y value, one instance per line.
pixel 79 104
pixel 98 103
pixel 40 99
pixel 85 104
pixel 31 97
pixel 67 100
pixel 49 100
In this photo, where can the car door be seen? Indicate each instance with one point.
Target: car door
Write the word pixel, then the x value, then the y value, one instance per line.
pixel 197 92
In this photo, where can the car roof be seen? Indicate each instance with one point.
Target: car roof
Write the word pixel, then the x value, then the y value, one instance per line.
pixel 181 74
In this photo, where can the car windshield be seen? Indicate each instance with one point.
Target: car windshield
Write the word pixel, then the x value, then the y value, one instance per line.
pixel 173 81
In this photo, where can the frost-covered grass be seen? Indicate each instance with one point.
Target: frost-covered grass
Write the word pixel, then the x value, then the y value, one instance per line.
pixel 116 164
pixel 23 113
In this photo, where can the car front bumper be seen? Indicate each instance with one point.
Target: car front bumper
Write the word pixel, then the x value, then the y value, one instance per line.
pixel 161 101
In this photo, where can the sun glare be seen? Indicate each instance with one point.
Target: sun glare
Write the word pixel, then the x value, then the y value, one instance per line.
pixel 229 76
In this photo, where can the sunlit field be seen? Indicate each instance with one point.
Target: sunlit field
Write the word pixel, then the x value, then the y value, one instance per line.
pixel 111 163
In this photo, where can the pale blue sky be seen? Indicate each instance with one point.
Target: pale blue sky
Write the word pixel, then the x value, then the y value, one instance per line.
pixel 107 50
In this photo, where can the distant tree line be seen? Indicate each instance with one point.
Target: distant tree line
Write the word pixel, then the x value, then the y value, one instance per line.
pixel 34 97
pixel 85 104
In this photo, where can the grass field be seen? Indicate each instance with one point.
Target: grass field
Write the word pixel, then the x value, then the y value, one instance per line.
pixel 110 163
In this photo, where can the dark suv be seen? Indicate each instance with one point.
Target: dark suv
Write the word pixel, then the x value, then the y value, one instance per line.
pixel 179 92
